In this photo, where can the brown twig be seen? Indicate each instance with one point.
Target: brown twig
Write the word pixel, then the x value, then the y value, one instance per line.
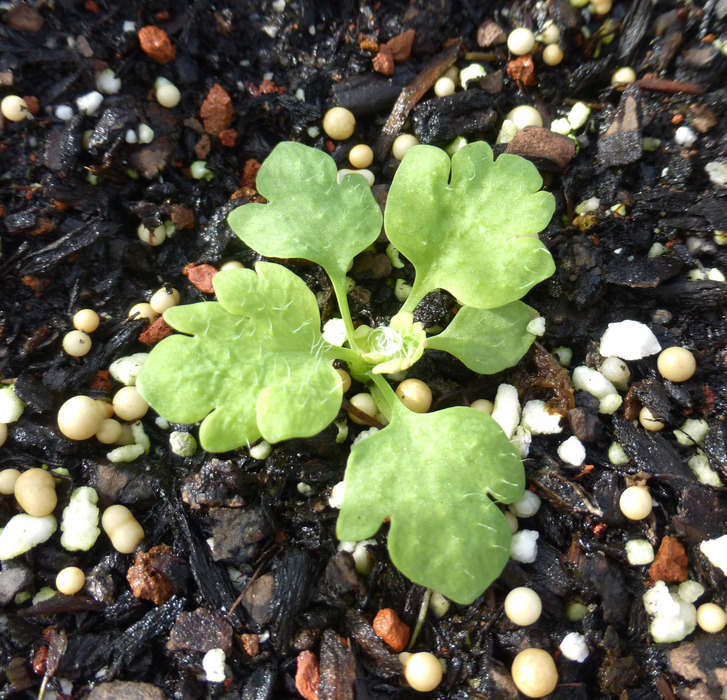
pixel 670 86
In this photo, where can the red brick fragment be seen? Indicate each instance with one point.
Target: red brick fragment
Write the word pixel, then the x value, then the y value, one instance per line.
pixel 249 174
pixel 250 644
pixel 31 102
pixel 307 675
pixel 202 147
pixel 523 70
pixel 145 580
pixel 400 46
pixel 155 332
pixel 201 276
pixel 228 137
pixel 24 18
pixel 216 110
pixel 35 283
pixel 156 44
pixel 391 629
pixel 384 61
pixel 490 34
pixel 181 217
pixel 101 381
pixel 670 564
pixel 367 43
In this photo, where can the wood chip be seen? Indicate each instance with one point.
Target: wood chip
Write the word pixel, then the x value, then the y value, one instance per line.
pixel 545 147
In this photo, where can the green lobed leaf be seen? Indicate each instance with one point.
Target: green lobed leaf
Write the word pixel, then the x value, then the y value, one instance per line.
pixel 254 364
pixel 487 340
pixel 475 234
pixel 308 215
pixel 435 475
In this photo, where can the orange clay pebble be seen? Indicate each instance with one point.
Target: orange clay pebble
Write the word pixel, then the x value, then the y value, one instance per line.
pixel 156 44
pixel 534 673
pixel 391 629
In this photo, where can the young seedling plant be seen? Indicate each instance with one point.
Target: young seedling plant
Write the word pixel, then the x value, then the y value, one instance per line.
pixel 255 364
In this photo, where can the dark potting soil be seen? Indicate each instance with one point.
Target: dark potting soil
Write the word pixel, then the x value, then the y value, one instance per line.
pixel 274 585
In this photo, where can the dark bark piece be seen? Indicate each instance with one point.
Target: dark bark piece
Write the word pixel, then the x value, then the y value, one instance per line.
pixel 338 669
pixel 650 452
pixel 376 657
pixel 546 149
pixel 199 631
pixel 126 690
pixel 703 65
pixel 700 516
pixel 410 95
pixel 340 581
pixel 610 585
pixel 239 533
pixel 633 29
pixel 585 425
pixel 563 494
pixel 652 393
pixel 439 120
pixel 259 686
pixel 294 581
pixel 620 142
pixel 643 272
pixel 217 484
pixel 369 93
pixel 716 446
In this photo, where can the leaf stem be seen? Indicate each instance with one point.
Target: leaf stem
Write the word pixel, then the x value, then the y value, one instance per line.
pixel 420 618
pixel 384 387
pixel 418 292
pixel 339 289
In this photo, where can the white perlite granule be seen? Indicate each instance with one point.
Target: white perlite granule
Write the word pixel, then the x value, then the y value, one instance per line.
pixel 716 552
pixel 574 647
pixel 629 340
pixel 524 547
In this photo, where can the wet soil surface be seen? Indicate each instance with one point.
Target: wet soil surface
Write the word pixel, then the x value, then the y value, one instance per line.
pixel 273 592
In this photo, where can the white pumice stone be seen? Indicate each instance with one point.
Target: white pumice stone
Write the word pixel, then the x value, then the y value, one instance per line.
pixel 574 647
pixel 522 440
pixel 64 112
pixel 674 618
pixel 684 136
pixel 692 431
pixel 717 172
pixel 23 532
pixel 506 409
pixel 525 115
pixel 639 552
pixel 107 82
pixel 592 381
pixel 690 591
pixel 578 115
pixel 79 523
pixel 438 605
pixel 572 451
pixel 335 500
pixel 508 131
pixel 524 546
pixel 126 369
pixel 261 450
pixel 616 371
pixel 523 606
pixel 182 443
pixel 89 103
pixel 131 136
pixel 536 326
pixel 561 126
pixel 629 340
pixel 699 464
pixel 334 332
pixel 526 506
pixel 538 419
pixel 471 72
pixel 564 355
pixel 716 551
pixel 521 41
pixel 213 664
pixel 616 454
pixel 11 407
pixel 125 453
